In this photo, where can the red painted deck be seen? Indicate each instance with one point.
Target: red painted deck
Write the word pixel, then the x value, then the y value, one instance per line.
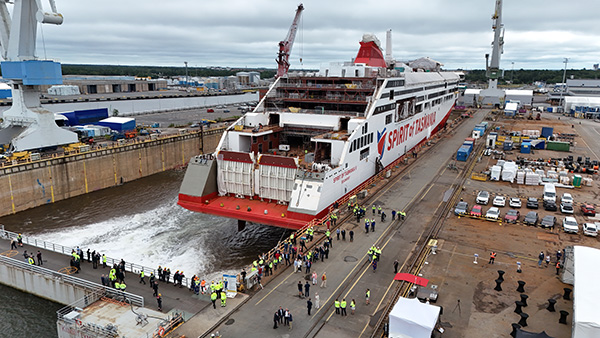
pixel 232 207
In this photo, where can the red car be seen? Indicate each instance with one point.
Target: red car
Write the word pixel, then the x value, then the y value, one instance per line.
pixel 512 216
pixel 588 210
pixel 476 211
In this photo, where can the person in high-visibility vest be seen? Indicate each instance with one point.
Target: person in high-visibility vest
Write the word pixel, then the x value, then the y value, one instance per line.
pixel 103 261
pixel 203 286
pixel 117 285
pixel 223 299
pixel 343 306
pixel 352 306
pixel 213 298
pixel 379 209
pixel 123 286
pixel 337 307
pixel 367 296
pixel 142 275
pixel 492 257
pixel 30 260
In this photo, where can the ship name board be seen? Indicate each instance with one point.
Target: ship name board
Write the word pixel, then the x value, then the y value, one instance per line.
pixel 403 132
pixel 345 176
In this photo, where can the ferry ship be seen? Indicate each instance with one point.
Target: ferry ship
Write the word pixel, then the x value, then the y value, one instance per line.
pixel 317 136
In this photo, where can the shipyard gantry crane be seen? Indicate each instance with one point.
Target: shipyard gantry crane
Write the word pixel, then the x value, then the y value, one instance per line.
pixel 285 46
pixel 492 96
pixel 26 125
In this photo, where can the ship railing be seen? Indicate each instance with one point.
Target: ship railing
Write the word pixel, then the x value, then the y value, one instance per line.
pixel 326 86
pixel 67 250
pixel 315 112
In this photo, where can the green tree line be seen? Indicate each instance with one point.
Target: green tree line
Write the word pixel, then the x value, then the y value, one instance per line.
pixel 155 71
pixel 528 76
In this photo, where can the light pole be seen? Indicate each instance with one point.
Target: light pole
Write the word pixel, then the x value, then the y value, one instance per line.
pixel 512 73
pixel 186 75
pixel 564 87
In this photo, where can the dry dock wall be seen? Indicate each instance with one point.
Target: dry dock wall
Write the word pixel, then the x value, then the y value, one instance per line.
pixel 40 282
pixel 31 184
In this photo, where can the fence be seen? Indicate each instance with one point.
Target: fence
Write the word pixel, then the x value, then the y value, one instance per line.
pixel 65 250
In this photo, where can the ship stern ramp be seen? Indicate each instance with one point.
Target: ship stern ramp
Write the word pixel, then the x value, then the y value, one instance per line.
pixel 200 179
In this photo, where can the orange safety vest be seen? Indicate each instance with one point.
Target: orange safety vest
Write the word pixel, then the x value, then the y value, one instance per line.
pixel 493 255
pixel 558 265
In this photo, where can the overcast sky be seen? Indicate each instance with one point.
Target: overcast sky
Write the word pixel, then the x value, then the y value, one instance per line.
pixel 245 33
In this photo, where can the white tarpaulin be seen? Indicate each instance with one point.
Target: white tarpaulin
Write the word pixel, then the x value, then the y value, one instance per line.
pixel 586 318
pixel 412 319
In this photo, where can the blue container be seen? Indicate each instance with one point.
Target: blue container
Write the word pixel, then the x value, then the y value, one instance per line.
pixel 481 129
pixel 463 153
pixel 86 116
pixel 540 145
pixel 121 124
pixel 547 131
pixel 525 148
pixel 468 144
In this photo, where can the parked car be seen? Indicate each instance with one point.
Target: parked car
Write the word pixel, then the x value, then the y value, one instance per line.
pixel 590 229
pixel 499 201
pixel 514 202
pixel 476 211
pixel 226 111
pixel 461 208
pixel 210 110
pixel 493 214
pixel 483 197
pixel 512 216
pixel 548 221
pixel 532 203
pixel 566 208
pixel 588 210
pixel 531 218
pixel 566 198
pixel 550 206
pixel 569 224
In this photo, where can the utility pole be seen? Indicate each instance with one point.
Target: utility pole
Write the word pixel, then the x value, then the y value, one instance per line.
pixel 563 89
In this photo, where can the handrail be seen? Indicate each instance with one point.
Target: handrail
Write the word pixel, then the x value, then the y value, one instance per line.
pixel 65 250
pixel 75 281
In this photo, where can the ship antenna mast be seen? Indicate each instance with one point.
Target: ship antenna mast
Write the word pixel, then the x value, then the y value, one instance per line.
pixel 285 46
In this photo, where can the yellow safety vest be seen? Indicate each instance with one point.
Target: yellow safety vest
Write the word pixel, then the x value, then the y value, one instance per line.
pixel 213 296
pixel 343 304
pixel 31 261
pixel 337 303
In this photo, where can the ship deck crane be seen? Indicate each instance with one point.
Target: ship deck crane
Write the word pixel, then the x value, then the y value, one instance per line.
pixel 285 46
pixel 27 125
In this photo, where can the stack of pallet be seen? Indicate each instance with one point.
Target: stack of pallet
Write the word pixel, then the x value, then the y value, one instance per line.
pixel 531 178
pixel 520 177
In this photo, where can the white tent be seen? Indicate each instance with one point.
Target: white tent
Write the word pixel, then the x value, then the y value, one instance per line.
pixel 412 319
pixel 586 318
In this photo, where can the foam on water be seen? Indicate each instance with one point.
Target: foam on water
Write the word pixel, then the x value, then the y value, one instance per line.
pixel 155 237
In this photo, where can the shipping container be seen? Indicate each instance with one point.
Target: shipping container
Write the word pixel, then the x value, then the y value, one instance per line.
pixel 525 148
pixel 547 132
pixel 468 144
pixel 507 145
pixel 463 153
pixel 559 146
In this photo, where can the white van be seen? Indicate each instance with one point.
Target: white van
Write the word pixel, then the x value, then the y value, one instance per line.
pixel 549 192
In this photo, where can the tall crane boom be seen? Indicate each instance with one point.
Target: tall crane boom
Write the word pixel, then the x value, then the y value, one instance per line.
pixel 493 70
pixel 285 46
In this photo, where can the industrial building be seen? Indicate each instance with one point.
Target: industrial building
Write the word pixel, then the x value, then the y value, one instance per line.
pixel 111 84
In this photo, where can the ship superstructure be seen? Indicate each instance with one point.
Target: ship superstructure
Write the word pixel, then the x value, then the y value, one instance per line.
pixel 316 136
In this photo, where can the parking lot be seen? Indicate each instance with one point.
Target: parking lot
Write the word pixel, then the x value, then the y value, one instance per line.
pixel 461 268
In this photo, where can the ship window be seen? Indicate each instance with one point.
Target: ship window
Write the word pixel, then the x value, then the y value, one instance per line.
pixel 265 137
pixel 308 186
pixel 391 94
pixel 295 186
pixel 364 153
pixel 254 139
pixel 388 119
pixel 362 142
pixel 371 138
